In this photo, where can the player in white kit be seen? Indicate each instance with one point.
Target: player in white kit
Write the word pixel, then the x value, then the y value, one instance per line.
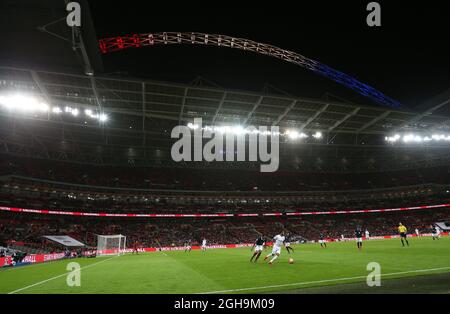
pixel 204 245
pixel 367 234
pixel 276 249
pixel 417 232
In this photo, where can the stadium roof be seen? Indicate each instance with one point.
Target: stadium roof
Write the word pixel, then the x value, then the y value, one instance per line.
pixel 142 113
pixel 133 100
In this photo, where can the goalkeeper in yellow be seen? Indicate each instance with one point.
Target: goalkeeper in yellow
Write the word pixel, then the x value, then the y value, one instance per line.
pixel 402 231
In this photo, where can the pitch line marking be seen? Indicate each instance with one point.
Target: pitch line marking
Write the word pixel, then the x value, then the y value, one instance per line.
pixel 56 277
pixel 322 281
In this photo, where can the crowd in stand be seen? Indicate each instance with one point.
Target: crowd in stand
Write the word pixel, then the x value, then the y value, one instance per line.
pixel 27 193
pixel 216 179
pixel 28 229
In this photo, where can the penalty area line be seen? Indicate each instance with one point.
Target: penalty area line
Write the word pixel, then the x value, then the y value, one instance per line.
pixel 56 277
pixel 323 281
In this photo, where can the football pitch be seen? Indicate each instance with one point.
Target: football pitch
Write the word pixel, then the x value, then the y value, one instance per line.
pixel 318 270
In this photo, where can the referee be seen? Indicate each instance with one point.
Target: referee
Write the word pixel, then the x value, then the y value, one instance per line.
pixel 402 230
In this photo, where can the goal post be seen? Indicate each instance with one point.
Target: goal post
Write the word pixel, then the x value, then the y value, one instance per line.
pixel 111 244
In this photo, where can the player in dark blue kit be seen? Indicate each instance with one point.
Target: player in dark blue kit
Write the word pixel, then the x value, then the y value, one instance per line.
pixel 287 244
pixel 258 247
pixel 358 236
pixel 322 240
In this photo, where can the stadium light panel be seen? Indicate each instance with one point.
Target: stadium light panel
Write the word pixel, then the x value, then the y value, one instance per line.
pixel 192 126
pixel 417 138
pixel 28 104
pixel 241 130
pixel 103 117
pixel 23 103
pixel 43 107
pixel 56 110
pixel 294 134
pixel 238 130
pixel 317 135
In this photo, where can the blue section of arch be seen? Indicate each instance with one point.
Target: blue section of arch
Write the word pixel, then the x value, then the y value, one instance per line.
pixel 356 85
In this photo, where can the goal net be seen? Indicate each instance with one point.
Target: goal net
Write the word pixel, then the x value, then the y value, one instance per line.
pixel 111 244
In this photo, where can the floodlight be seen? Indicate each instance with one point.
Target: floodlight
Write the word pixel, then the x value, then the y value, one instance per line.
pixel 103 117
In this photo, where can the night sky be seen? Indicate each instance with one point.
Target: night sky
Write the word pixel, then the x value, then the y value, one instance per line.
pixel 406 58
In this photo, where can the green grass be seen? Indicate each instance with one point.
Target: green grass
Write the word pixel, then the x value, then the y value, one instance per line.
pixel 229 269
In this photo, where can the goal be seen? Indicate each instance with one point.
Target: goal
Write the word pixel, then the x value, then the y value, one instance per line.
pixel 111 244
